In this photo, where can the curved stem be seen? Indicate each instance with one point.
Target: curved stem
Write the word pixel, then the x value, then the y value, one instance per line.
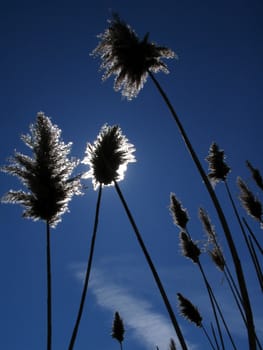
pixel 153 270
pixel 86 281
pixel 49 289
pixel 228 235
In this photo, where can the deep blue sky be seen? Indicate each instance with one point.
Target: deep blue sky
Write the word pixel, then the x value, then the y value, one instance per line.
pixel 216 87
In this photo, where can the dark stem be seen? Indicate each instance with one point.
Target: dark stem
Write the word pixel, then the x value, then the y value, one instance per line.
pixel 256 263
pixel 249 244
pixel 207 336
pixel 49 289
pixel 214 335
pixel 228 235
pixel 212 304
pixel 153 270
pixel 222 318
pixel 235 293
pixel 86 281
pixel 253 236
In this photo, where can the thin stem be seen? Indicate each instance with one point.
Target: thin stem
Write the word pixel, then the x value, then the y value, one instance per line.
pixel 248 243
pixel 49 289
pixel 214 336
pixel 86 281
pixel 235 293
pixel 212 304
pixel 228 272
pixel 228 235
pixel 207 336
pixel 217 306
pixel 153 270
pixel 253 236
pixel 256 263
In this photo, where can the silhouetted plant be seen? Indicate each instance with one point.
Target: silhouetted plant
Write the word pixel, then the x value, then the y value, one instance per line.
pixel 47 177
pixel 107 158
pixel 127 57
pixel 118 329
pixel 153 270
pixel 191 251
pixel 192 314
pixel 218 258
pixel 172 345
pixel 121 53
pixel 87 273
pixel 189 248
pixel 189 311
pixel 179 214
pixel 249 202
pixel 217 166
pixel 255 174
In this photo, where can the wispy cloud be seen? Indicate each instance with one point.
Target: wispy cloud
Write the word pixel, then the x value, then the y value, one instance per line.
pixel 117 286
pixel 142 321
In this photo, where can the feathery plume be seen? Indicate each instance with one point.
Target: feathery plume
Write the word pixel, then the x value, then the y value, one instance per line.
pixel 46 175
pixel 249 202
pixel 179 214
pixel 189 248
pixel 108 157
pixel 217 166
pixel 118 328
pixel 127 57
pixel 218 257
pixel 255 174
pixel 207 225
pixel 189 311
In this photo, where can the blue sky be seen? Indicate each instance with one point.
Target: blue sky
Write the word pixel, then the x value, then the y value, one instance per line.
pixel 216 87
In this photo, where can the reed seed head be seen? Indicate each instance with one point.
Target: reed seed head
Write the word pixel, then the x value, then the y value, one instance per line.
pixel 249 202
pixel 172 345
pixel 108 156
pixel 217 166
pixel 118 328
pixel 256 175
pixel 179 214
pixel 207 225
pixel 189 311
pixel 189 248
pixel 218 257
pixel 46 174
pixel 127 57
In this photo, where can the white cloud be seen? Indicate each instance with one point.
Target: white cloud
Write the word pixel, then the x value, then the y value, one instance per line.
pixel 148 326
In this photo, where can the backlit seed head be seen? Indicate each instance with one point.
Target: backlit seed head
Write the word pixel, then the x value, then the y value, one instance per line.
pixel 108 156
pixel 46 175
pixel 217 166
pixel 189 248
pixel 179 214
pixel 250 203
pixel 189 311
pixel 127 57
